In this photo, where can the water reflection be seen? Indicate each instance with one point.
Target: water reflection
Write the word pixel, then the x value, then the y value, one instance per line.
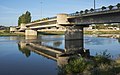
pixel 34 60
pixel 119 40
pixel 57 43
pixel 23 48
pixel 61 56
pixel 98 40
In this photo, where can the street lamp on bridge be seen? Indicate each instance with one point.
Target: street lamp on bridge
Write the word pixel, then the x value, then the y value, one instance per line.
pixel 94 5
pixel 41 11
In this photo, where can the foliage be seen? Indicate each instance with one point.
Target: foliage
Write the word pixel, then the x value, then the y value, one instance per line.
pixel 101 64
pixel 103 58
pixel 103 8
pixel 91 9
pixel 86 11
pixel 57 43
pixel 77 12
pixel 24 18
pixel 118 5
pixel 76 65
pixel 110 7
pixel 81 12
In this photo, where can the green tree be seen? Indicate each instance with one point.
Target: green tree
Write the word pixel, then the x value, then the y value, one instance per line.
pixel 76 12
pixel 28 17
pixel 110 7
pixel 103 8
pixel 24 18
pixel 86 11
pixel 81 12
pixel 118 5
pixel 19 20
pixel 91 9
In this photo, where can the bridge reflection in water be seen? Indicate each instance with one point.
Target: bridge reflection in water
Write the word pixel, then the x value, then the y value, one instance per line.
pixel 61 56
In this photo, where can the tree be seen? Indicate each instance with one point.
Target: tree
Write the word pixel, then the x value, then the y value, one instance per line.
pixel 110 7
pixel 103 8
pixel 28 17
pixel 24 18
pixel 19 21
pixel 118 5
pixel 76 12
pixel 81 12
pixel 91 9
pixel 86 11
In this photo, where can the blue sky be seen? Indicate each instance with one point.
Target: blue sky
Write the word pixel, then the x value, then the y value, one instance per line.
pixel 10 10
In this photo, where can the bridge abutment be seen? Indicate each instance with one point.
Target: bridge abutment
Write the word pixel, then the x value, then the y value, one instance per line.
pixel 30 34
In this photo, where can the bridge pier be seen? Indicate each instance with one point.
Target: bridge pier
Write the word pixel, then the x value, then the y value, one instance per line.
pixel 30 34
pixel 74 39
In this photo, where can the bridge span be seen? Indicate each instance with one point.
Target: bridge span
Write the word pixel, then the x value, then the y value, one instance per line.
pixel 73 23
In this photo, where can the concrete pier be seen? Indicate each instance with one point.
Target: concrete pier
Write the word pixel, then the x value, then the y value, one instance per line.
pixel 74 39
pixel 74 33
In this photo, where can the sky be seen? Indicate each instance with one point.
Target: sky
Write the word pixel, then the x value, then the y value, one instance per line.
pixel 10 10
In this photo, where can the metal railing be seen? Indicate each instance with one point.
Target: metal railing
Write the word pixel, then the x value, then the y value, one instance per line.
pixel 48 18
pixel 99 10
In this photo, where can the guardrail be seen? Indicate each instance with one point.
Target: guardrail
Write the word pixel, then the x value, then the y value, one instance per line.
pixel 48 18
pixel 92 11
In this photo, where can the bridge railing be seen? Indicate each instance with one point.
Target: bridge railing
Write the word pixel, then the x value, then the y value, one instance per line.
pixel 99 10
pixel 48 18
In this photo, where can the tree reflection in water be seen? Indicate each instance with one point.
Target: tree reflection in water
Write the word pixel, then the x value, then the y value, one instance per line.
pixel 57 43
pixel 24 50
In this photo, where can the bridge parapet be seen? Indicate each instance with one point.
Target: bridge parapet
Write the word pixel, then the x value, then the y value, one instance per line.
pixel 62 19
pixel 95 11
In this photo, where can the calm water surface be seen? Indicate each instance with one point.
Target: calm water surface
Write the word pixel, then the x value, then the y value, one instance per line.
pixel 17 61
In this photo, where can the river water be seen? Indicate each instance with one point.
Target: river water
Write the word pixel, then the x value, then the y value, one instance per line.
pixel 17 60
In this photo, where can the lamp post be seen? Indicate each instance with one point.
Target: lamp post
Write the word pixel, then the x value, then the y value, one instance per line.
pixel 94 4
pixel 41 8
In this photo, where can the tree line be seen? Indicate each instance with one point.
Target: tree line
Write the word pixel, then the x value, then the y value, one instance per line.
pixel 102 8
pixel 24 18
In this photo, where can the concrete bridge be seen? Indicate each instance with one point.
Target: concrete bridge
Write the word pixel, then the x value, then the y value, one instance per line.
pixel 73 23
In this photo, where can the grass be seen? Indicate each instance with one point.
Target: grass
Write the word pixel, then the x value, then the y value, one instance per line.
pixel 9 34
pixel 51 33
pixel 102 32
pixel 101 64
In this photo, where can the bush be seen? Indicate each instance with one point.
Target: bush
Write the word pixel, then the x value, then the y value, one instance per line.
pixel 101 64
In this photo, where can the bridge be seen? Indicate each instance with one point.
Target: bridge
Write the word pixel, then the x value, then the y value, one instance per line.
pixel 73 23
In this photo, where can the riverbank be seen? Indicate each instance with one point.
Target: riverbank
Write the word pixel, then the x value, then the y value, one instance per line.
pixel 102 31
pixel 86 32
pixel 51 33
pixel 10 34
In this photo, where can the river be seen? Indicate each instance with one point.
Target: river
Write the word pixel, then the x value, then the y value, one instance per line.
pixel 17 60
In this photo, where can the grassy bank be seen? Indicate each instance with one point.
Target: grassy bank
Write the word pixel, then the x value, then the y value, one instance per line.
pixel 90 32
pixel 101 64
pixel 85 32
pixel 10 34
pixel 51 33
pixel 102 32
